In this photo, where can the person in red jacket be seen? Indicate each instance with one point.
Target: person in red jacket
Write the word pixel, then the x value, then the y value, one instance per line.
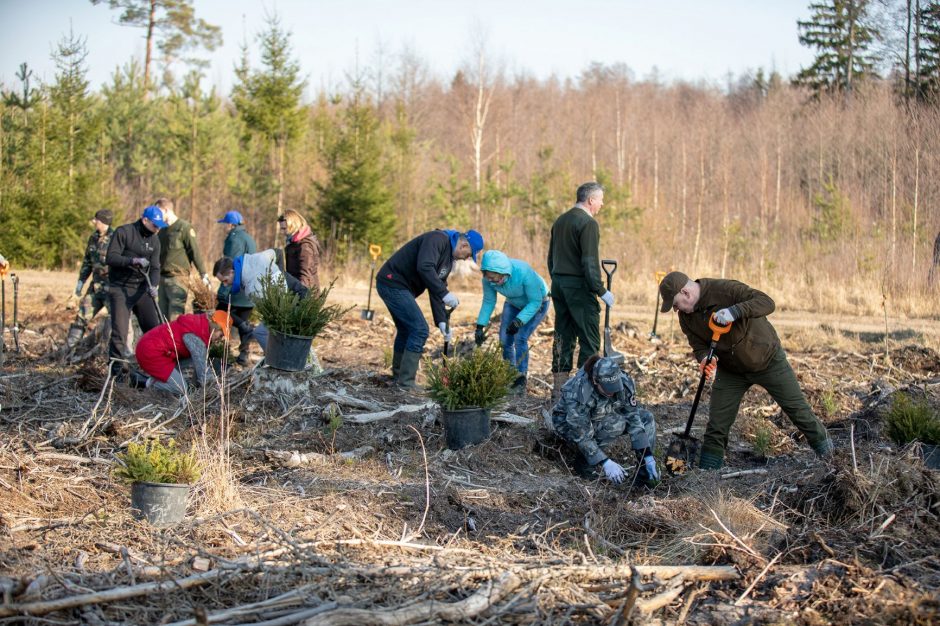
pixel 163 351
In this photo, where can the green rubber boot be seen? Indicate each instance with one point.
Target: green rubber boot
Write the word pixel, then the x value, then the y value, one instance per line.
pixel 409 369
pixel 711 460
pixel 396 364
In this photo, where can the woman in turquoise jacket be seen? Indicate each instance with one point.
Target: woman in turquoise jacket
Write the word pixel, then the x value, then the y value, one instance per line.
pixel 525 307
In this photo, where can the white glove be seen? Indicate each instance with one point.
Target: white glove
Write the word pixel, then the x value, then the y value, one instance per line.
pixel 450 300
pixel 608 298
pixel 724 317
pixel 448 334
pixel 153 292
pixel 78 288
pixel 613 470
pixel 205 280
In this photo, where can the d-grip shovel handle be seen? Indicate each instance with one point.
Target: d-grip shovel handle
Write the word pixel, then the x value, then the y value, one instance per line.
pixel 447 311
pixel 717 329
pixel 612 264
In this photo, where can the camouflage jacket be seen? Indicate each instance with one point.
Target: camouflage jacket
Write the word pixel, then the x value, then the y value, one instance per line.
pixel 94 262
pixel 591 421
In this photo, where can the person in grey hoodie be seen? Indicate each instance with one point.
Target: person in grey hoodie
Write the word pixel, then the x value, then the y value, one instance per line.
pixel 525 307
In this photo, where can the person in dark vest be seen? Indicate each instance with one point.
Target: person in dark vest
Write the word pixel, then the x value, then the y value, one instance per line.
pixel 134 275
pixel 179 250
pixel 422 264
pixel 750 354
pixel 301 249
pixel 95 267
pixel 164 351
pixel 574 267
pixel 237 243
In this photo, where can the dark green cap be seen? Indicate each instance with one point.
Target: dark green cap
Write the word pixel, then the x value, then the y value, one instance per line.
pixel 671 285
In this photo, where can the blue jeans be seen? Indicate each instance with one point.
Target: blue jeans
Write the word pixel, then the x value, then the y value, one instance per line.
pixel 516 347
pixel 409 321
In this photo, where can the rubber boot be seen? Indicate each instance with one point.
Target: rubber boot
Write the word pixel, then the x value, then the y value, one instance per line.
pixel 711 460
pixel 396 363
pixel 243 353
pixel 137 380
pixel 823 449
pixel 518 385
pixel 76 332
pixel 409 369
pixel 558 379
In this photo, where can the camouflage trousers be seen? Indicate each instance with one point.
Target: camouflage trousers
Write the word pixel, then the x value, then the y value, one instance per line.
pixel 95 299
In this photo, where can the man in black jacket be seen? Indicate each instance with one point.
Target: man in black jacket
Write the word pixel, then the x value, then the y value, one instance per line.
pixel 134 272
pixel 424 263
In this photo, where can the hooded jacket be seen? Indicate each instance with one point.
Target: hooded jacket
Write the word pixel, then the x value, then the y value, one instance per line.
pixel 424 263
pixel 158 349
pixel 237 242
pixel 524 289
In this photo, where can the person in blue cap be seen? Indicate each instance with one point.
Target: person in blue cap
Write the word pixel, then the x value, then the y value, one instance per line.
pixel 237 243
pixel 133 261
pixel 525 307
pixel 424 263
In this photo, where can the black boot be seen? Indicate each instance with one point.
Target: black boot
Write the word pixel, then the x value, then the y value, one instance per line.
pixel 137 380
pixel 518 385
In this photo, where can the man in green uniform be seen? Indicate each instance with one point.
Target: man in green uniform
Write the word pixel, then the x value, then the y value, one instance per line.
pixel 574 266
pixel 237 243
pixel 750 354
pixel 178 250
pixel 94 266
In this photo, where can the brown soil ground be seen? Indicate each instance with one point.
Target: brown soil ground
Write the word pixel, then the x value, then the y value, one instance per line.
pixel 405 531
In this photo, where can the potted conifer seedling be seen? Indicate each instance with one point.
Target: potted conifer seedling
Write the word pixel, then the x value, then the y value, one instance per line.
pixel 293 321
pixel 160 477
pixel 467 388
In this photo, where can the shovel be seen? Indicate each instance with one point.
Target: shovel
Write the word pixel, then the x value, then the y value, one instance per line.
pixel 659 276
pixel 3 309
pixel 447 311
pixel 609 351
pixel 684 447
pixel 367 313
pixel 16 325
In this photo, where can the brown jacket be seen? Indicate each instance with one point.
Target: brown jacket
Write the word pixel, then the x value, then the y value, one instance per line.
pixel 752 342
pixel 302 260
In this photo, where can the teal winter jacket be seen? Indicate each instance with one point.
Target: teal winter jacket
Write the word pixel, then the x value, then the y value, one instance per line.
pixel 524 289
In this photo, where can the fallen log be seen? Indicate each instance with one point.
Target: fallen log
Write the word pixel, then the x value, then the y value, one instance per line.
pixel 431 611
pixel 356 403
pixel 406 409
pixel 293 458
pixel 509 418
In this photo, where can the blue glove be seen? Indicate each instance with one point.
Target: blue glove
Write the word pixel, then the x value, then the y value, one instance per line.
pixel 650 463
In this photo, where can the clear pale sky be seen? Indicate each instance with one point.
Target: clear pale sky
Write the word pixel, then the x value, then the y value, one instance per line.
pixel 683 39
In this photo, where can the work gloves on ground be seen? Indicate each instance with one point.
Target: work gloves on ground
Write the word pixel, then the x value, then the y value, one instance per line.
pixel 514 326
pixel 725 316
pixel 78 288
pixel 709 368
pixel 205 280
pixel 448 334
pixel 614 471
pixel 153 292
pixel 480 335
pixel 450 300
pixel 140 262
pixel 608 298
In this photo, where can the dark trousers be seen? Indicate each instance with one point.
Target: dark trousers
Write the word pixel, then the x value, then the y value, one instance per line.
pixel 125 299
pixel 780 382
pixel 577 319
pixel 172 296
pixel 412 329
pixel 242 313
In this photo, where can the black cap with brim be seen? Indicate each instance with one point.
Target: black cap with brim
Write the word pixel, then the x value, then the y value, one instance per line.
pixel 669 287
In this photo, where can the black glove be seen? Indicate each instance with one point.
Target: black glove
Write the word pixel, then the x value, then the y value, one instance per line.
pixel 514 326
pixel 244 328
pixel 480 335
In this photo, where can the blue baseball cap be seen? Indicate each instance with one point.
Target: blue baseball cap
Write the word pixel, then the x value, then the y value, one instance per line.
pixel 475 240
pixel 232 217
pixel 155 215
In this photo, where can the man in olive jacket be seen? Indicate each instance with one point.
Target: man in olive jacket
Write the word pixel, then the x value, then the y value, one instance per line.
pixel 750 354
pixel 178 250
pixel 574 266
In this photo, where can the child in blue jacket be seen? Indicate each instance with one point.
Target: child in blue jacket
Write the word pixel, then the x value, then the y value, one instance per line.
pixel 525 307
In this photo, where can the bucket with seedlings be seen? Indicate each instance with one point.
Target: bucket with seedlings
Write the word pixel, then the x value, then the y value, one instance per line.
pixel 160 477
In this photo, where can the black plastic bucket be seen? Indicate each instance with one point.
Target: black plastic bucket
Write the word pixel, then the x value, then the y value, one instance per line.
pixel 287 352
pixel 161 504
pixel 465 427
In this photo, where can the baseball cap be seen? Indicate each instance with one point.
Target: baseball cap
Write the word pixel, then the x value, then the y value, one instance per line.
pixel 475 240
pixel 105 216
pixel 223 320
pixel 669 287
pixel 155 215
pixel 607 376
pixel 232 217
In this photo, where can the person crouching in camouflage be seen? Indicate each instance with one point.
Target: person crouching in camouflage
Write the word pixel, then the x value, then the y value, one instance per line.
pixel 93 265
pixel 597 406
